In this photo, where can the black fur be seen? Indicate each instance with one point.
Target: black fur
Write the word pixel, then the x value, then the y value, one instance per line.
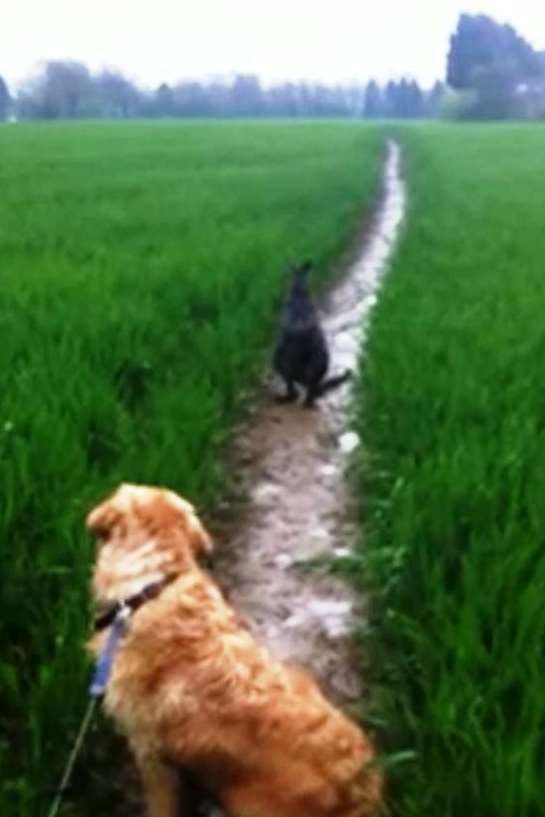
pixel 301 355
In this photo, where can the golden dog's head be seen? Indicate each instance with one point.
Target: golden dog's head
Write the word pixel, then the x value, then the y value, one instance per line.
pixel 145 534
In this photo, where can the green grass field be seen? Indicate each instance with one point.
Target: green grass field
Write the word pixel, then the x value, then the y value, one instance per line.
pixel 142 266
pixel 453 416
pixel 141 271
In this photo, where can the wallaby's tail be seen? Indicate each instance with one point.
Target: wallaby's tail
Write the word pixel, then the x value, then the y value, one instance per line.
pixel 331 383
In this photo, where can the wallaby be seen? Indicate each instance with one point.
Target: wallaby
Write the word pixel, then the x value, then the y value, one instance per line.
pixel 301 355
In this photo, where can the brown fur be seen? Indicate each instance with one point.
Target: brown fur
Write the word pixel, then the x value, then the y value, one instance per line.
pixel 193 690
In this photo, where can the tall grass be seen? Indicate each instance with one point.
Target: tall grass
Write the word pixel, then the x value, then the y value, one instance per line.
pixel 141 270
pixel 453 414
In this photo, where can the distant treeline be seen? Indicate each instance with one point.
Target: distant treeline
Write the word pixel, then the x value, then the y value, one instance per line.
pixel 492 73
pixel 68 90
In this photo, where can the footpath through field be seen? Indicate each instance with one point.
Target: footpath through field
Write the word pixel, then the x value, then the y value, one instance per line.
pixel 297 507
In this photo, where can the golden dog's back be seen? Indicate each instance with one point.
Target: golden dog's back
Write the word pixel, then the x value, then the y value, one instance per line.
pixel 192 688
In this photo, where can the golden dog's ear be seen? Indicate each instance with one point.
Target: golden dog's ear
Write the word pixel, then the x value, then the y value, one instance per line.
pixel 199 539
pixel 102 520
pixel 194 532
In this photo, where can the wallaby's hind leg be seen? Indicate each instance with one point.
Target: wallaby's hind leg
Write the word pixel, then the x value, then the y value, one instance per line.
pixel 291 393
pixel 313 392
pixel 314 376
pixel 309 401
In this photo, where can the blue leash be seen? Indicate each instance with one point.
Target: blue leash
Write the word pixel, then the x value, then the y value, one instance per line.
pixel 103 666
pixel 97 688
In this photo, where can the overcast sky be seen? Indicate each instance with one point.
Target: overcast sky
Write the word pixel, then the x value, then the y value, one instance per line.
pixel 166 40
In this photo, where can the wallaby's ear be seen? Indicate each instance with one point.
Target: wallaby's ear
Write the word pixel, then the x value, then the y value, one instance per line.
pixel 299 271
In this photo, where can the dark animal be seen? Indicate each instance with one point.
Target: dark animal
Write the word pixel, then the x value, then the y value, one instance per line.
pixel 301 355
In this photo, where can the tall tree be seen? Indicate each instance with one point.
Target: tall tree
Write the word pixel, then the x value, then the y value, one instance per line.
pixel 355 100
pixel 415 100
pixel 434 99
pixel 118 96
pixel 164 102
pixel 219 96
pixel 289 99
pixel 373 104
pixel 61 90
pixel 491 60
pixel 192 99
pixel 247 96
pixel 390 99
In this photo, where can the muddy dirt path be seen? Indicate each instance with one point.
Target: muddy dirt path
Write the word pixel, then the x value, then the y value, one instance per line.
pixel 297 502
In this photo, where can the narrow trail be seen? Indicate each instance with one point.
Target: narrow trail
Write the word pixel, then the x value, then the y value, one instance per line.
pixel 297 505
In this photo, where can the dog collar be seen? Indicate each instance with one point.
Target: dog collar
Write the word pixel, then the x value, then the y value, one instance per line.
pixel 132 603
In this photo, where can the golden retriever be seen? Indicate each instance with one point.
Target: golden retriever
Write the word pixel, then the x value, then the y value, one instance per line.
pixel 193 691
